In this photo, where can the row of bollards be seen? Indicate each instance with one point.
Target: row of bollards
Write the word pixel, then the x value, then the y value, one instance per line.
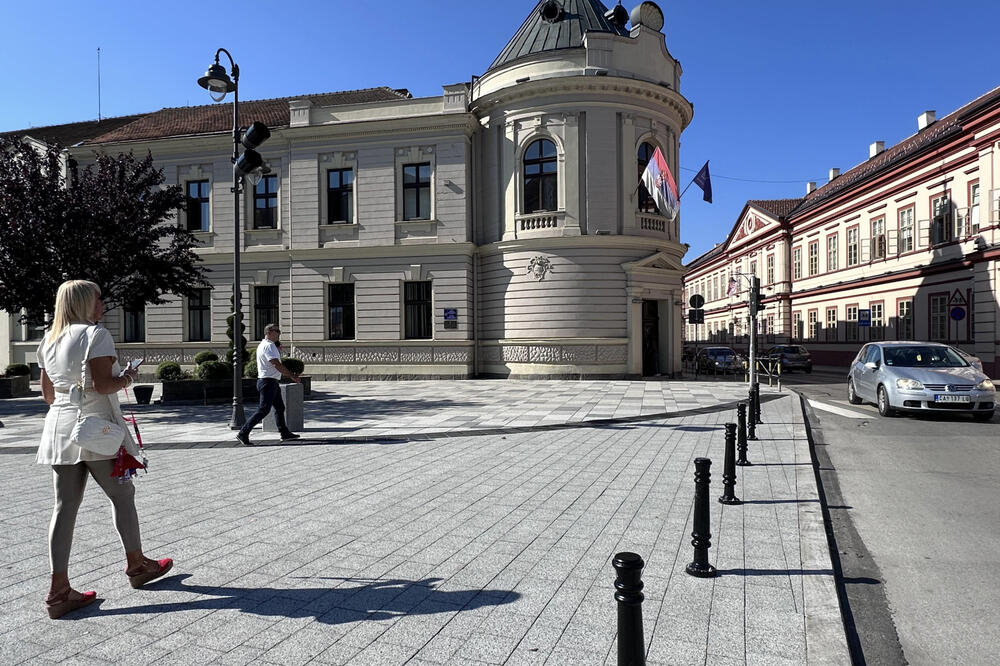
pixel 628 566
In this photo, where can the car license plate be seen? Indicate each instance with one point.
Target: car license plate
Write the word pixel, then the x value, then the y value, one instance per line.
pixel 952 398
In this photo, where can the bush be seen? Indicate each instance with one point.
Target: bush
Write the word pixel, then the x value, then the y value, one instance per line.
pixel 250 369
pixel 17 370
pixel 169 371
pixel 213 371
pixel 294 365
pixel 203 356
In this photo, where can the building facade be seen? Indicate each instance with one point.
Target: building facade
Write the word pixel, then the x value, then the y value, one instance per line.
pixel 495 230
pixel 904 246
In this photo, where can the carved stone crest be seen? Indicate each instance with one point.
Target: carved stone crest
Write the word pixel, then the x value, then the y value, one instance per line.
pixel 538 267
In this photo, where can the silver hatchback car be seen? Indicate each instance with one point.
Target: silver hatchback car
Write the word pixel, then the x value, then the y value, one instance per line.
pixel 919 377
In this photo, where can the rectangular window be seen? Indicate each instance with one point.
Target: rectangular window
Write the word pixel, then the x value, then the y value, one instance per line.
pixel 753 268
pixel 878 321
pixel 770 328
pixel 417 320
pixel 197 205
pixel 340 196
pixel 134 324
pixel 878 238
pixel 417 191
pixel 341 311
pixel 974 208
pixel 852 246
pixel 200 316
pixel 940 219
pixel 831 324
pixel 265 309
pixel 904 320
pixel 939 316
pixel 797 263
pixel 906 230
pixel 797 326
pixel 265 203
pixel 831 253
pixel 814 258
pixel 814 324
pixel 852 323
pixel 770 269
pixel 35 325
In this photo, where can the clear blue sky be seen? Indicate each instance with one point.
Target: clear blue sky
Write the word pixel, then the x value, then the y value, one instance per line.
pixel 782 90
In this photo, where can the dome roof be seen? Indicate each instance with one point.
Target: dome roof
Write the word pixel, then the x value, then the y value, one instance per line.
pixel 557 24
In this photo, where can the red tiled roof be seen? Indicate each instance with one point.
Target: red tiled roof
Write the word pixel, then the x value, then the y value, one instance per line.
pixel 73 133
pixel 775 207
pixel 215 118
pixel 941 129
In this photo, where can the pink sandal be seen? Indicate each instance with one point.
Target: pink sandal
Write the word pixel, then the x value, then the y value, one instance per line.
pixel 149 571
pixel 62 603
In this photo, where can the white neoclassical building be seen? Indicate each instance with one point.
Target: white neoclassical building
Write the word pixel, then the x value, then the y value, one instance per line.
pixel 494 230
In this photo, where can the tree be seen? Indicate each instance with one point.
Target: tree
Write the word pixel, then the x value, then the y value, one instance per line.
pixel 110 223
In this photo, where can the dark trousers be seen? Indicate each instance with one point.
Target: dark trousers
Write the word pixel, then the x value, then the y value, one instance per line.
pixel 270 396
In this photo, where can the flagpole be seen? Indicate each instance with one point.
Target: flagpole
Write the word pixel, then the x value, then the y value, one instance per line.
pixel 681 195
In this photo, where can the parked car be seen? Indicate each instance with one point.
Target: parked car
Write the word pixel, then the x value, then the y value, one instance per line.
pixel 919 377
pixel 791 357
pixel 719 360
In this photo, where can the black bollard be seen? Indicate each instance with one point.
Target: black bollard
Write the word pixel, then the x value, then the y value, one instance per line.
pixel 741 434
pixel 756 404
pixel 701 537
pixel 628 594
pixel 751 421
pixel 729 468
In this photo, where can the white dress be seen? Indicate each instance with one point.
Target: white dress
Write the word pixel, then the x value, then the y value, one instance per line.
pixel 62 362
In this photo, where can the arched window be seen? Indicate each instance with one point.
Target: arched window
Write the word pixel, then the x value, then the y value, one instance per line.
pixel 540 176
pixel 646 204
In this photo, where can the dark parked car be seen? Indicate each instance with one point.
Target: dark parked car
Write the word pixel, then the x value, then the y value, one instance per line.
pixel 791 357
pixel 719 360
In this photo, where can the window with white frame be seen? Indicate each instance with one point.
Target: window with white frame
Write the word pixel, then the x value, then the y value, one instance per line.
pixel 974 208
pixel 939 316
pixel 877 331
pixel 198 210
pixel 941 219
pixel 906 230
pixel 852 323
pixel 770 269
pixel 904 320
pixel 831 253
pixel 797 263
pixel 541 168
pixel 831 324
pixel 878 238
pixel 813 324
pixel 813 258
pixel 852 246
pixel 797 326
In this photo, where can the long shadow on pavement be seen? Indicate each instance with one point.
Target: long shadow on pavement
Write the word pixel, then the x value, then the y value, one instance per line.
pixel 373 600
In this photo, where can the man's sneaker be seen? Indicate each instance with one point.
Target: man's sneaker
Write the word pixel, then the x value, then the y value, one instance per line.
pixel 289 436
pixel 243 438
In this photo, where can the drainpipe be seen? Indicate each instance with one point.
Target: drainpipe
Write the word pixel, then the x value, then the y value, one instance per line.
pixel 291 290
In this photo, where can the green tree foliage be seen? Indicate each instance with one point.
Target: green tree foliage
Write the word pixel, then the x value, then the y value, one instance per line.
pixel 110 223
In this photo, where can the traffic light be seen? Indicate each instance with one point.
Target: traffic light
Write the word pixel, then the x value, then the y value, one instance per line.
pixel 756 298
pixel 757 306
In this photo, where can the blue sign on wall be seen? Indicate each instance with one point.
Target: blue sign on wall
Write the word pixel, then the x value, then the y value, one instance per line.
pixel 451 314
pixel 864 317
pixel 958 313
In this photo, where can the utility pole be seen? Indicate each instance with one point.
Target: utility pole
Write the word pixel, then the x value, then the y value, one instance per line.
pixel 754 307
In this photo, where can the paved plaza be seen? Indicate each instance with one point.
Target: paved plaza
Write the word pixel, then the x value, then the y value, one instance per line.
pixel 435 522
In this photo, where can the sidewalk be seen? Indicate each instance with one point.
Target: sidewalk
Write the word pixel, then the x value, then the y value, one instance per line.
pixel 395 535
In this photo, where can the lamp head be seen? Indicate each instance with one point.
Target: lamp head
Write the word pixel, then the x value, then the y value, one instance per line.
pixel 255 135
pixel 217 82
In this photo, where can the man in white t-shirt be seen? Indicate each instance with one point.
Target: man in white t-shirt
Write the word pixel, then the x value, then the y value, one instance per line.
pixel 269 371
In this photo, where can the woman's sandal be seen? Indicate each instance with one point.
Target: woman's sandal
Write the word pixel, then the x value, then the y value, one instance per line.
pixel 150 570
pixel 67 601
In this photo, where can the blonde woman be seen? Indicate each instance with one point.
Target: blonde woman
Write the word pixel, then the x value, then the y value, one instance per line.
pixel 60 357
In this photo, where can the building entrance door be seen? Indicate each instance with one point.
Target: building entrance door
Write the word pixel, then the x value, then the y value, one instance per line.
pixel 650 338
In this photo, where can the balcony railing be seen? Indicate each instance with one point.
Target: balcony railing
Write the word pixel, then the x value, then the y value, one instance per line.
pixel 539 224
pixel 652 224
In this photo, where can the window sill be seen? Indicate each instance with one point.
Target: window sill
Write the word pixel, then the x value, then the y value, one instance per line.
pixel 264 230
pixel 404 223
pixel 339 225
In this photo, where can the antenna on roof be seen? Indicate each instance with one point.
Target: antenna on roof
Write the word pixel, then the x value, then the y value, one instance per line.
pixel 98 84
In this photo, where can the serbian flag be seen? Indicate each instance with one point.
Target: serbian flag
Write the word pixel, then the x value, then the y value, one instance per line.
pixel 660 184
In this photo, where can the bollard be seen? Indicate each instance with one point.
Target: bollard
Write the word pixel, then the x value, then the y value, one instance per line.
pixel 756 403
pixel 751 421
pixel 701 536
pixel 741 434
pixel 628 586
pixel 729 468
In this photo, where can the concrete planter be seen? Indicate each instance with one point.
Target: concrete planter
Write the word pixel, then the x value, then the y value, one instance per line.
pixel 15 387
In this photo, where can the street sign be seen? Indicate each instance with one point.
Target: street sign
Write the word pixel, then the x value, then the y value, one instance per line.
pixel 696 301
pixel 696 316
pixel 865 317
pixel 958 313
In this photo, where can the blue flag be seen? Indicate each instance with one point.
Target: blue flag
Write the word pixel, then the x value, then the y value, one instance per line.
pixel 704 181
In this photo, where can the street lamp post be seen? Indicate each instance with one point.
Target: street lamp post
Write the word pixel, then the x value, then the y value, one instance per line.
pixel 219 84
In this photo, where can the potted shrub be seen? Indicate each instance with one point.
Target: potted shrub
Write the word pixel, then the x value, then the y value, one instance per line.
pixel 178 386
pixel 217 379
pixel 205 356
pixel 15 381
